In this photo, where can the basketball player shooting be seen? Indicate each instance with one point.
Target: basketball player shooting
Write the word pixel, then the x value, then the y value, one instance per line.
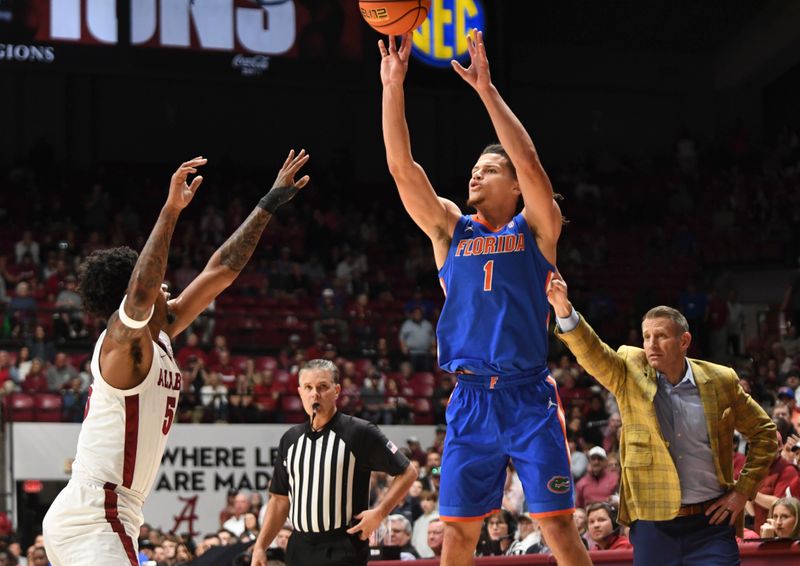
pixel 136 382
pixel 494 266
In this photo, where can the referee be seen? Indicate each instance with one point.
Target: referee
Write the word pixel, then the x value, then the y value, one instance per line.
pixel 321 479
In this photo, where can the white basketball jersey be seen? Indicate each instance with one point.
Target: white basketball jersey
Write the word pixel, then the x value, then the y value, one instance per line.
pixel 125 431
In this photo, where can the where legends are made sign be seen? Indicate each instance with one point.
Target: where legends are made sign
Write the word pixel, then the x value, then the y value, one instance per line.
pixel 201 464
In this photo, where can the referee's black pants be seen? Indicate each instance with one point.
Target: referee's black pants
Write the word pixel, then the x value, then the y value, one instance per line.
pixel 332 548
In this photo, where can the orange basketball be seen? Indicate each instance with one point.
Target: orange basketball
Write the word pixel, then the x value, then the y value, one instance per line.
pixel 394 17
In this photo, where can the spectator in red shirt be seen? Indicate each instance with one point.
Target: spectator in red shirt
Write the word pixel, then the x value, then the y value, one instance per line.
pixel 226 370
pixel 599 484
pixel 603 528
pixel 57 280
pixel 317 350
pixel 5 371
pixel 569 393
pixel 266 393
pixel 191 348
pixel 36 380
pixel 6 527
pixel 782 475
pixel 220 344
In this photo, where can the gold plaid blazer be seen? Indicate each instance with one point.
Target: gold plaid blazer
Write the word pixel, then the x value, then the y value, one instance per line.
pixel 649 485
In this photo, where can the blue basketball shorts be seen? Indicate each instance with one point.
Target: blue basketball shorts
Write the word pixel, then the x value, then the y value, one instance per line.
pixel 491 420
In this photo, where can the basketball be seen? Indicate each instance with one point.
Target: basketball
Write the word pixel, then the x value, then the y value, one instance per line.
pixel 394 17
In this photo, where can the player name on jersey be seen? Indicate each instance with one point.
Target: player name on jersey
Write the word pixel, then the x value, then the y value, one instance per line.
pixel 483 245
pixel 170 380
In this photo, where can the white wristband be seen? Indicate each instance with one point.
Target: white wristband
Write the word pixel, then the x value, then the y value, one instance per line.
pixel 569 323
pixel 128 321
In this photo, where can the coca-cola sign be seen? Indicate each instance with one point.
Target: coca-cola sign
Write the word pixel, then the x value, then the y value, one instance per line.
pixel 250 65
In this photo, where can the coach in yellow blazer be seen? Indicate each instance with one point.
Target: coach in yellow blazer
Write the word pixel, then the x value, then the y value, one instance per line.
pixel 678 417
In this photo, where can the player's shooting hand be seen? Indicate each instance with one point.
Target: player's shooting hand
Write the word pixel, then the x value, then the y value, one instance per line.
pixel 394 61
pixel 368 522
pixel 285 187
pixel 477 74
pixel 558 297
pixel 726 508
pixel 180 193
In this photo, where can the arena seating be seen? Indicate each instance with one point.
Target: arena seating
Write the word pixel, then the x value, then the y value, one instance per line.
pixel 48 407
pixel 19 407
pixel 292 408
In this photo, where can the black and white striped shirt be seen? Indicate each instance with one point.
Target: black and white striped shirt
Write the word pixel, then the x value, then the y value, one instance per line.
pixel 326 473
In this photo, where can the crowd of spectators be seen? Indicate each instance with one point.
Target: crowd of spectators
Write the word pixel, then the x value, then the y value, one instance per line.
pixel 349 280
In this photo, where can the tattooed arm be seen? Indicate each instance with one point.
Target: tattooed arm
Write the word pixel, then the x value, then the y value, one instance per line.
pixel 228 261
pixel 127 353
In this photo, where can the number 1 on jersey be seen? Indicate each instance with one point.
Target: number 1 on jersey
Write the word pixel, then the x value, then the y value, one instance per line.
pixel 488 269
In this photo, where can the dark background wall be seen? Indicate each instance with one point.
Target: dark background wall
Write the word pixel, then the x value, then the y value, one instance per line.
pixel 588 79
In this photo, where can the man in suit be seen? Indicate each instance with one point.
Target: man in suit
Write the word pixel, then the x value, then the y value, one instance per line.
pixel 678 415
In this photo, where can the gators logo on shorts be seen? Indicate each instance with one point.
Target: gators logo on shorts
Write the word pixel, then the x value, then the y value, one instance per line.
pixel 558 484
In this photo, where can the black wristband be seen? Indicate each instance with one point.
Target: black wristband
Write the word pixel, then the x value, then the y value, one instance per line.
pixel 276 197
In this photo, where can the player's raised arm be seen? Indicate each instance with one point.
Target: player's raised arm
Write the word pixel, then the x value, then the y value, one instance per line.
pixel 541 211
pixel 435 216
pixel 228 261
pixel 126 353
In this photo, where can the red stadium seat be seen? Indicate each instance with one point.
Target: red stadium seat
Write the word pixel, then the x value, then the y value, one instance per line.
pixel 291 403
pixel 19 407
pixel 425 377
pixel 397 376
pixel 293 410
pixel 48 407
pixel 76 360
pixel 239 362
pixel 295 418
pixel 422 389
pixel 266 362
pixel 282 376
pixel 422 412
pixel 361 365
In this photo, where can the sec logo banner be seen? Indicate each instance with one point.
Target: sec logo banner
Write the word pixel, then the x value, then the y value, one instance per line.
pixel 443 35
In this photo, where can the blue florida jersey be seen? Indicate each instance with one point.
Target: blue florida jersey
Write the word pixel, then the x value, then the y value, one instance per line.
pixel 495 315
